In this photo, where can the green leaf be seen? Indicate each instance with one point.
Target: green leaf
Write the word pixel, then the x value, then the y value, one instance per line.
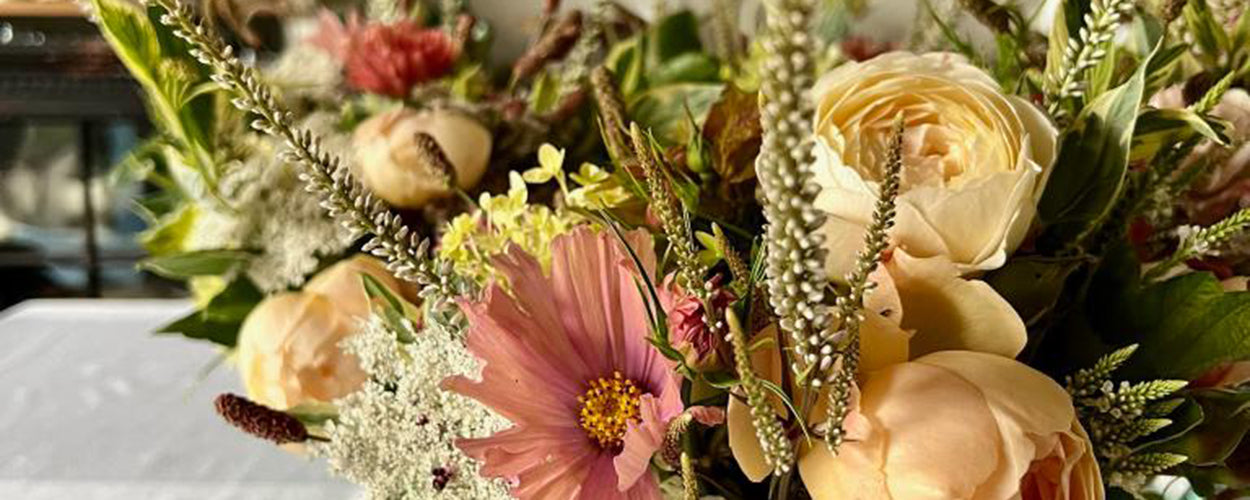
pixel 170 77
pixel 234 303
pixel 1008 68
pixel 1241 42
pixel 199 263
pixel 1089 173
pixel 721 380
pixel 626 62
pixel 1184 420
pixel 1057 42
pixel 663 109
pixel 673 36
pixel 1032 285
pixel 546 93
pixel 1099 78
pixel 689 67
pixel 396 311
pixel 1162 67
pixel 1208 32
pixel 1160 128
pixel 133 39
pixel 195 326
pixel 1186 326
pixel 1226 422
pixel 170 232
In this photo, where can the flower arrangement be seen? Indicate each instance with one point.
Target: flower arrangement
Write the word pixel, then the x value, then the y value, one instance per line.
pixel 798 265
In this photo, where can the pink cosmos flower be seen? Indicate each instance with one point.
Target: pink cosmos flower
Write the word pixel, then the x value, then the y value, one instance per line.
pixel 386 59
pixel 566 359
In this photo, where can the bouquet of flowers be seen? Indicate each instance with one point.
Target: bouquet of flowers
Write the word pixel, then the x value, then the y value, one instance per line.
pixel 797 264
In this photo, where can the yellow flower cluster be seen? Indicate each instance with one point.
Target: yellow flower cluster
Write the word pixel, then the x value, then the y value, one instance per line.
pixel 472 239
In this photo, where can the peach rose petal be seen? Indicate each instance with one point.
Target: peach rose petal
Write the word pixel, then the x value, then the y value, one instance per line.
pixel 743 441
pixel 928 440
pixel 951 313
pixel 342 282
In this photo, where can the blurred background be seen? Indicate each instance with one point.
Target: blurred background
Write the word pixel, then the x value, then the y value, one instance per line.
pixel 68 113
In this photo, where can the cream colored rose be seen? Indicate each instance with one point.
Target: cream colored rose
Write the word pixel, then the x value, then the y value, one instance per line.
pixel 975 159
pixel 289 351
pixel 389 163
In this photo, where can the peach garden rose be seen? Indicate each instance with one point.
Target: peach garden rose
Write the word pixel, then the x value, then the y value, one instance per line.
pixel 918 307
pixel 975 160
pixel 288 351
pixel 960 425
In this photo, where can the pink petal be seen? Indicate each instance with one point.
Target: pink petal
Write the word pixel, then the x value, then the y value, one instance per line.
pixel 602 484
pixel 642 440
pixel 710 416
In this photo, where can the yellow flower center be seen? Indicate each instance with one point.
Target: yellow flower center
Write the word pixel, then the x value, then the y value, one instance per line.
pixel 608 406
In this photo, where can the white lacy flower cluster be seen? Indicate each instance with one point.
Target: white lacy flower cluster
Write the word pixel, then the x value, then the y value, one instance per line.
pixel 396 435
pixel 271 214
pixel 307 71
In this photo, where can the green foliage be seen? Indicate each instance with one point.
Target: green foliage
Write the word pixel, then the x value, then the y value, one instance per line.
pixel 166 235
pixel 1159 129
pixel 1218 448
pixel 1163 67
pixel 667 52
pixel 398 313
pixel 1033 285
pixel 664 76
pixel 1209 35
pixel 179 92
pixel 219 322
pixel 1186 326
pixel 1119 416
pixel 1088 175
pixel 1226 422
pixel 733 129
pixel 1203 241
pixel 663 110
pixel 197 263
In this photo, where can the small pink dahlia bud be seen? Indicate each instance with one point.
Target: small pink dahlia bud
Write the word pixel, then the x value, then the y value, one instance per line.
pixel 688 328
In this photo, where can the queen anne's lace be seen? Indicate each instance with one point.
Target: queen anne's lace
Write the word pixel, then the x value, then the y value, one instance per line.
pixel 396 435
pixel 272 214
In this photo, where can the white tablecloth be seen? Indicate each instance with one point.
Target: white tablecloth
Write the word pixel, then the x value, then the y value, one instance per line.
pixel 93 407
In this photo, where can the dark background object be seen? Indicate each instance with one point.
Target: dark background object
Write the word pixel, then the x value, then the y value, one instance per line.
pixel 68 111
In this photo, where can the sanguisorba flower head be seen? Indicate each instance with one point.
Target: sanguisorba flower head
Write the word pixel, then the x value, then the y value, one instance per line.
pixel 387 59
pixel 975 160
pixel 566 359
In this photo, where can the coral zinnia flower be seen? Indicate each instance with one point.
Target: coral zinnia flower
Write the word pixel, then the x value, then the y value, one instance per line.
pixel 386 59
pixel 566 359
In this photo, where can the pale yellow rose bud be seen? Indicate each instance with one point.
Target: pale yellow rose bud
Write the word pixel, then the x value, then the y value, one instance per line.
pixel 390 164
pixel 288 351
pixel 975 160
